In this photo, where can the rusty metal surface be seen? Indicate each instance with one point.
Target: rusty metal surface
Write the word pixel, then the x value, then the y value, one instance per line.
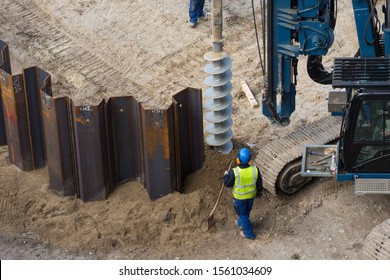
pixel 34 79
pixel 91 152
pixel 5 64
pixel 18 139
pixel 158 152
pixel 91 149
pixel 55 114
pixel 124 139
pixel 188 133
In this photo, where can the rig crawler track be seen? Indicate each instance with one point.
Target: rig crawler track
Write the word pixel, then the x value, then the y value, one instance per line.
pixel 377 243
pixel 280 160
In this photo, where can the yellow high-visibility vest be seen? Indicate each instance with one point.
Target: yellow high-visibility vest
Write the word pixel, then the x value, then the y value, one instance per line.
pixel 245 182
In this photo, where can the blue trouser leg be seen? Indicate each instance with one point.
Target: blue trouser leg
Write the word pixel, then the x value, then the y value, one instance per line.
pixel 243 209
pixel 196 10
pixel 200 8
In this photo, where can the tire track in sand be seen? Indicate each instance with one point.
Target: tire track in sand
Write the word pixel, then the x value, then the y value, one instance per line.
pixel 64 51
pixel 151 77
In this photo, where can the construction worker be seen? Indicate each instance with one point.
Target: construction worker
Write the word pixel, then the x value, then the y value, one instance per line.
pixel 246 183
pixel 196 11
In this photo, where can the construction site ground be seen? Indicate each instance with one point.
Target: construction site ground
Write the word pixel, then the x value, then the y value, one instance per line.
pixel 146 49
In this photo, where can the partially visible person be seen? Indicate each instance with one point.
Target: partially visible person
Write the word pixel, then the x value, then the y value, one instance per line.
pixel 196 12
pixel 246 183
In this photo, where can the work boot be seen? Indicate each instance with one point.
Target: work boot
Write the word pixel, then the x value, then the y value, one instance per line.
pixel 243 235
pixel 192 24
pixel 204 18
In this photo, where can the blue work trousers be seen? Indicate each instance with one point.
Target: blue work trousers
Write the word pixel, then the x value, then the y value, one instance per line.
pixel 196 10
pixel 243 208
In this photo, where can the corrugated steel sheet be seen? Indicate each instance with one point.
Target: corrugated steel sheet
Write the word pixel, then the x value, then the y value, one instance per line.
pixel 124 139
pixel 188 133
pixel 35 79
pixel 159 152
pixel 91 149
pixel 59 151
pixel 23 116
pixel 91 152
pixel 172 143
pixel 18 137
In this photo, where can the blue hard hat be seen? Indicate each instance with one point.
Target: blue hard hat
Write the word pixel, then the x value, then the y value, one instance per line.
pixel 244 155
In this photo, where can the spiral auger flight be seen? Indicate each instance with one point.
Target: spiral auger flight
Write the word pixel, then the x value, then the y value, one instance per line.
pixel 218 94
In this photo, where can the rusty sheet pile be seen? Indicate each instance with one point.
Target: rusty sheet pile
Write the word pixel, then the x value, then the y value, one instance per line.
pixel 91 149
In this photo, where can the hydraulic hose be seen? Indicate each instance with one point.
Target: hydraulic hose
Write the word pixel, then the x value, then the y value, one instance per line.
pixel 317 71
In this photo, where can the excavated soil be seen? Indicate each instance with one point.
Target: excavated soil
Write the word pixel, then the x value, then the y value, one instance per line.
pixel 97 49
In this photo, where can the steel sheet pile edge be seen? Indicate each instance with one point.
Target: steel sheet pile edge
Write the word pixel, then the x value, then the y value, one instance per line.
pixel 91 149
pixel 189 132
pixel 34 80
pixel 6 66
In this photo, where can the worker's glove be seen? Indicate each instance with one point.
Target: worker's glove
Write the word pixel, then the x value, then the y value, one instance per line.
pixel 225 172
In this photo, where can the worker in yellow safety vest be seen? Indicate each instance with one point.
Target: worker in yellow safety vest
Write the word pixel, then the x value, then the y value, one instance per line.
pixel 246 183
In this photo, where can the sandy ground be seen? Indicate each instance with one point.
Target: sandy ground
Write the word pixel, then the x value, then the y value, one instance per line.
pixel 96 49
